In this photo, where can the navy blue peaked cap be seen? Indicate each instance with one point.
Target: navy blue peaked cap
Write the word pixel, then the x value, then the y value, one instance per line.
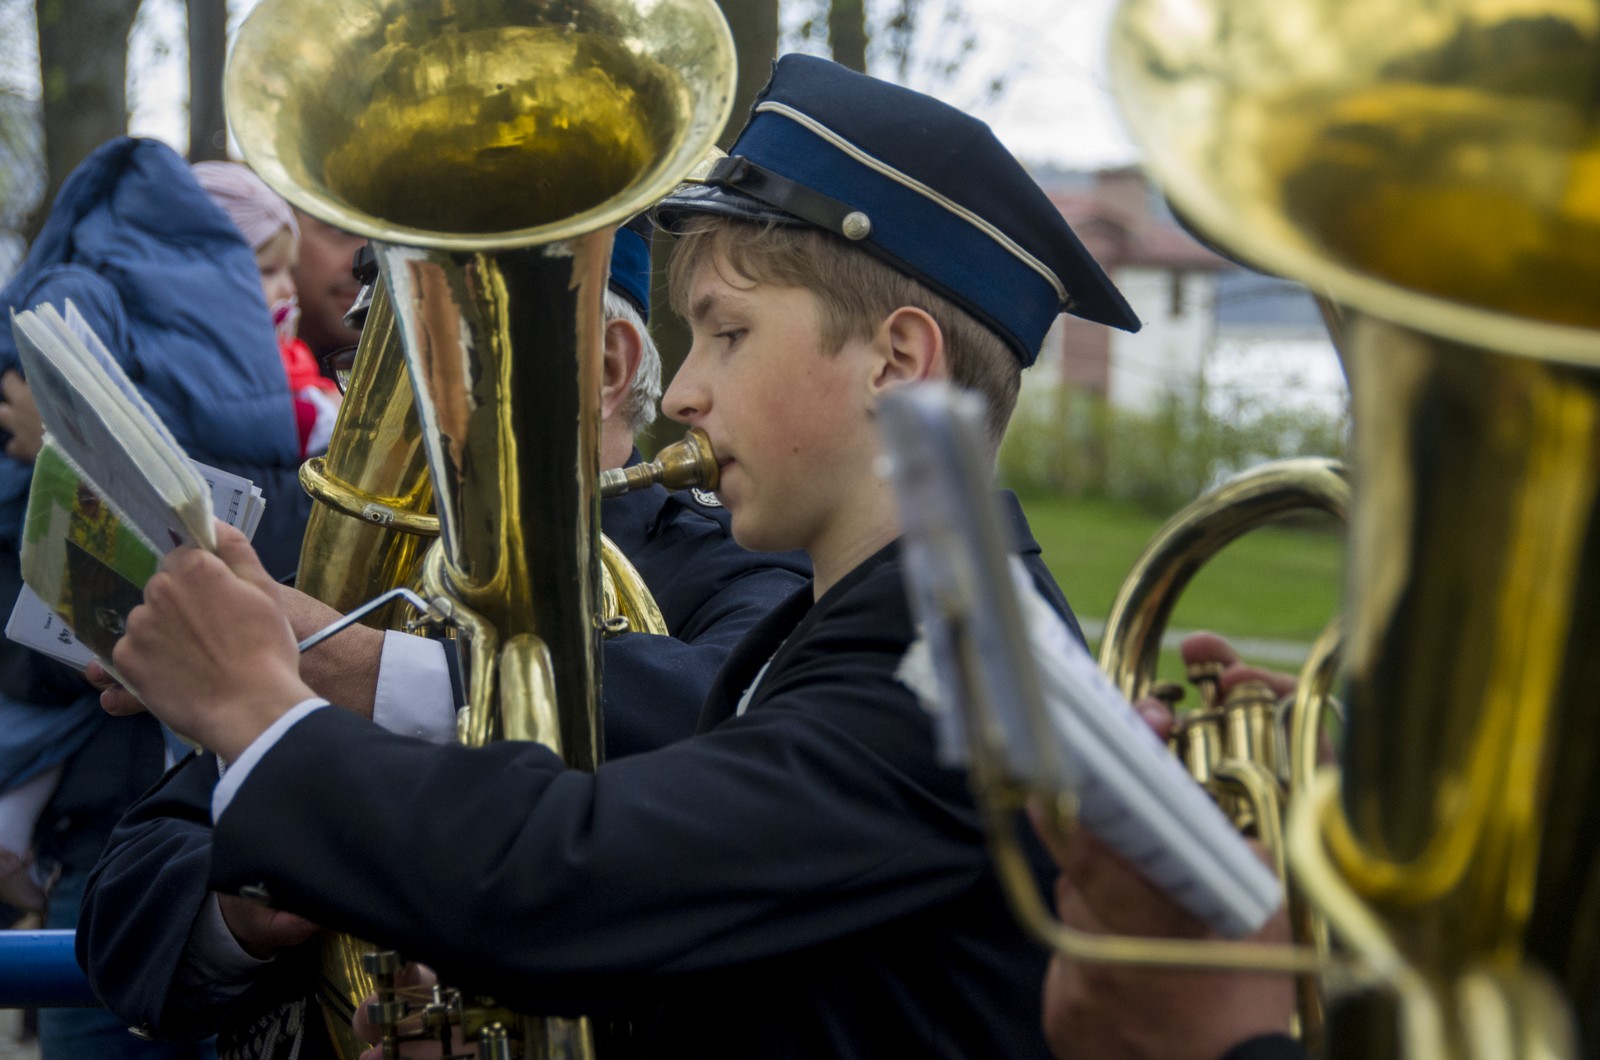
pixel 630 263
pixel 914 181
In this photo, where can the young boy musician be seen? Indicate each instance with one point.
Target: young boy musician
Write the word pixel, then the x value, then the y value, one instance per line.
pixel 170 956
pixel 802 878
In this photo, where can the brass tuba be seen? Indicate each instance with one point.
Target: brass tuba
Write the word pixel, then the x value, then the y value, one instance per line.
pixel 488 148
pixel 1434 169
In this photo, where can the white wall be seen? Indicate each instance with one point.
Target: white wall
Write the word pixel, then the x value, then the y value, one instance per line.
pixel 1168 354
pixel 1284 371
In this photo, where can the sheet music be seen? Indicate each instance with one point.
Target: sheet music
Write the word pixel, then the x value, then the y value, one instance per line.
pixel 996 663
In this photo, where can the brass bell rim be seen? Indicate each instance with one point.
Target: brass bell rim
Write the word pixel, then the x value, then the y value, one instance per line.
pixel 1272 241
pixel 252 52
pixel 331 210
pixel 1472 326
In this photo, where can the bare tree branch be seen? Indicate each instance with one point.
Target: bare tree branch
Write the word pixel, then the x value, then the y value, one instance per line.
pixel 208 44
pixel 83 67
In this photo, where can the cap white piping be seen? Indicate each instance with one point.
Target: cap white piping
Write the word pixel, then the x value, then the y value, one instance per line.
pixel 784 110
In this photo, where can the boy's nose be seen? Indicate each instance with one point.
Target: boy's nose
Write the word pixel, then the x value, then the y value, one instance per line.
pixel 685 399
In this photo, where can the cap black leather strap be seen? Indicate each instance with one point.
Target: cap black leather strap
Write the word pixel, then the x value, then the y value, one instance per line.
pixel 739 174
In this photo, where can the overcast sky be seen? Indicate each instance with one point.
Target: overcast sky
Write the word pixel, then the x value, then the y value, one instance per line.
pixel 1054 107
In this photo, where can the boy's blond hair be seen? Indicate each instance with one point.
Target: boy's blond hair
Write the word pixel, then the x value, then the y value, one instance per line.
pixel 855 292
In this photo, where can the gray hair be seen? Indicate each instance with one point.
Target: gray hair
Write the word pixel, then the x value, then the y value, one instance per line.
pixel 643 402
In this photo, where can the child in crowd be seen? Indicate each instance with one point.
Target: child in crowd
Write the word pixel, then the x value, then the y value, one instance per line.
pixel 268 225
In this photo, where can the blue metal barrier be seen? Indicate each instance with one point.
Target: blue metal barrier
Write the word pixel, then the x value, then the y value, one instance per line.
pixel 38 970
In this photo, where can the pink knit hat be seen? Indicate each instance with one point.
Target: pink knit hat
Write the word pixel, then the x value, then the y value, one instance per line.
pixel 255 209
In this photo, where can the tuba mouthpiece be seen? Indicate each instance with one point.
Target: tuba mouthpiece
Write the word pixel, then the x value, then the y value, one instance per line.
pixel 679 466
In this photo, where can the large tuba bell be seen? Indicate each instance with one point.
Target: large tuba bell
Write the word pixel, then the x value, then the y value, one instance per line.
pixel 1435 170
pixel 488 148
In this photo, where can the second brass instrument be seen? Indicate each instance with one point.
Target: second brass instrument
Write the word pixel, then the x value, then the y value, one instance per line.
pixel 1436 180
pixel 1249 753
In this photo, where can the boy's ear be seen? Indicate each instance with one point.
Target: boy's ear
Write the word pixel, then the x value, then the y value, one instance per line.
pixel 619 363
pixel 912 349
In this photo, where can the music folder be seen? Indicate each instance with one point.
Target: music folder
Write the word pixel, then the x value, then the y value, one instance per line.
pixel 1004 677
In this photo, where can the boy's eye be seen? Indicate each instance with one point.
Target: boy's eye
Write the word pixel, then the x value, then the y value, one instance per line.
pixel 730 336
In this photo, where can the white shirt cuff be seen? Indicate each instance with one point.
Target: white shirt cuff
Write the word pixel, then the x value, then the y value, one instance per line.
pixel 414 696
pixel 234 775
pixel 213 954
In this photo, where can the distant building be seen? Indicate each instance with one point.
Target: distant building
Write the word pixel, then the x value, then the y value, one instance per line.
pixel 1208 323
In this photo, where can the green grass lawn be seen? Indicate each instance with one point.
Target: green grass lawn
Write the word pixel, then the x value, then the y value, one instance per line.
pixel 1278 583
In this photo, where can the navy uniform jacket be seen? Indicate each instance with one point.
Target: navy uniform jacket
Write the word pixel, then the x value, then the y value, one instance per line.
pixel 803 880
pixel 154 871
pixel 710 592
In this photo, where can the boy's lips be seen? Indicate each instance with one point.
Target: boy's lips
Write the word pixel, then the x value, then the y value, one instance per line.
pixel 723 464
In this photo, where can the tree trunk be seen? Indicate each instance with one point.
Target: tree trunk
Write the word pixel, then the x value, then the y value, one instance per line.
pixel 83 65
pixel 847 33
pixel 208 45
pixel 755 42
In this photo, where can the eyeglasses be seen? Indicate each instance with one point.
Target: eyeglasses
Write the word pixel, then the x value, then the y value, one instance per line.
pixel 338 363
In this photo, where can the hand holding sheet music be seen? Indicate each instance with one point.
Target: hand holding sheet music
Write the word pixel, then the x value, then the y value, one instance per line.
pixel 112 492
pixel 997 665
pixel 98 421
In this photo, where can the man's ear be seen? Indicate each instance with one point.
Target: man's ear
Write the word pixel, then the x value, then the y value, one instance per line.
pixel 911 348
pixel 619 363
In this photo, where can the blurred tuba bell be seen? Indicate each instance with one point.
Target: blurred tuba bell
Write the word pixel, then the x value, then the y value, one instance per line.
pixel 1434 169
pixel 488 149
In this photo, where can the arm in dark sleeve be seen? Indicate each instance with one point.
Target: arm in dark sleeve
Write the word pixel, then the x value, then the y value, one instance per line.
pixel 142 899
pixel 814 818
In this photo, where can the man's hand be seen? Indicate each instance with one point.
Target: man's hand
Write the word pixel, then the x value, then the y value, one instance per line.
pixel 344 668
pixel 1210 648
pixel 210 651
pixel 20 416
pixel 414 981
pixel 261 930
pixel 114 699
pixel 1125 1013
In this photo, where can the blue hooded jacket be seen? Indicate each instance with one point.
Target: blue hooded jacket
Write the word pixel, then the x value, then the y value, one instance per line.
pixel 168 283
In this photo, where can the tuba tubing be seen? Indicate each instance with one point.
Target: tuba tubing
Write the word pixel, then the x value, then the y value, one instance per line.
pixel 488 151
pixel 1254 774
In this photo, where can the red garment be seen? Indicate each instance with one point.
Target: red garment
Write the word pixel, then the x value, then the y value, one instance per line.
pixel 301 364
pixel 305 375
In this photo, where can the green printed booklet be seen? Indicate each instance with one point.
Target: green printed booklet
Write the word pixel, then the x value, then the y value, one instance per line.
pixel 112 493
